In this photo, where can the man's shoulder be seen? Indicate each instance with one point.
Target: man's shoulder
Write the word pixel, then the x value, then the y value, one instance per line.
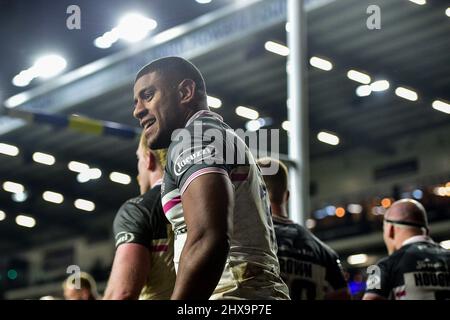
pixel 151 196
pixel 131 203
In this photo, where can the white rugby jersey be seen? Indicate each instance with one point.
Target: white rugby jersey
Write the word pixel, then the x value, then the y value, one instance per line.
pixel 208 145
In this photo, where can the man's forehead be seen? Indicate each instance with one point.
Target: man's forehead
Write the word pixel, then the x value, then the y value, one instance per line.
pixel 146 80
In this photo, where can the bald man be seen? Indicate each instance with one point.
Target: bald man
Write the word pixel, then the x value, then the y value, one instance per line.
pixel 417 268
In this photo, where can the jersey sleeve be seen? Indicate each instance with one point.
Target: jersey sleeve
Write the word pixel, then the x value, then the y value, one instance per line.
pixel 378 280
pixel 196 151
pixel 335 273
pixel 131 226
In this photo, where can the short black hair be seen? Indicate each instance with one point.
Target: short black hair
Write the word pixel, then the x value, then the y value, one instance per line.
pixel 177 69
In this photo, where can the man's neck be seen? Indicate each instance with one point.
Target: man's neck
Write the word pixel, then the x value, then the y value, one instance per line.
pixel 192 111
pixel 404 238
pixel 279 210
pixel 154 177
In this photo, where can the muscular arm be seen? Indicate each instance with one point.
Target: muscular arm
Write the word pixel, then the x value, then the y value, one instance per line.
pixel 208 203
pixel 129 272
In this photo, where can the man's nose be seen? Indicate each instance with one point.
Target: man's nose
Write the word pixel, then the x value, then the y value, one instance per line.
pixel 139 111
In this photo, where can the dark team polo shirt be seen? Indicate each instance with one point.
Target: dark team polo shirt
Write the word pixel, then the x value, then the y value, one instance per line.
pixel 309 267
pixel 141 220
pixel 419 270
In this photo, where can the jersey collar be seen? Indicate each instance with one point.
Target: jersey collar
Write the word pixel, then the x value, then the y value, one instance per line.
pixel 415 239
pixel 157 183
pixel 203 113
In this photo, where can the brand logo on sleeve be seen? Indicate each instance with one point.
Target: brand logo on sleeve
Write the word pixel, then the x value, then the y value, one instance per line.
pixel 191 156
pixel 124 237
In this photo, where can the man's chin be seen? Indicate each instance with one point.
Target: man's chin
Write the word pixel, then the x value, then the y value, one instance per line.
pixel 155 144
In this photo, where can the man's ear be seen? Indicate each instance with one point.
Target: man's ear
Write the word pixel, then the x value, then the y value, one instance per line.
pixel 287 195
pixel 186 88
pixel 391 231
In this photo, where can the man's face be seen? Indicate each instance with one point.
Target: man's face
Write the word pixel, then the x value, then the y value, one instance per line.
pixel 143 162
pixel 156 106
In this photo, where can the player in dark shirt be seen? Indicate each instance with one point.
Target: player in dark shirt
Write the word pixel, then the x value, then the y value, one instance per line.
pixel 417 268
pixel 143 265
pixel 309 267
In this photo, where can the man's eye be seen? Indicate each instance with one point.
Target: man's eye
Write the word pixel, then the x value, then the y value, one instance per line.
pixel 148 96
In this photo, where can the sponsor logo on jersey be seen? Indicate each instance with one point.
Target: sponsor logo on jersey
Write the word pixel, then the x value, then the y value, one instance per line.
pixel 190 156
pixel 428 264
pixel 124 237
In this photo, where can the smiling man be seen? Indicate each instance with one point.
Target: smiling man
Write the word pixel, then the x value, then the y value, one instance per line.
pixel 225 245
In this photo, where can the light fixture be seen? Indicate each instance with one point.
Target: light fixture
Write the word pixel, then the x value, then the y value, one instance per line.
pixel 357 259
pixel 447 12
pixel 9 150
pixel 76 166
pixel 132 27
pixel 2 215
pixel 45 67
pixel 354 208
pixel 417 194
pixel 85 205
pixel 94 173
pixel 406 94
pixel 359 77
pixel 286 125
pixel 49 66
pixel 386 203
pixel 328 138
pixel 419 2
pixel 246 112
pixel 253 125
pixel 363 91
pixel 321 63
pixel 214 102
pixel 276 48
pixel 16 100
pixel 380 85
pixel 441 106
pixel 44 158
pixel 20 197
pixel 121 178
pixel 310 223
pixel 445 244
pixel 13 187
pixel 203 1
pixel 340 212
pixel 53 197
pixel 330 210
pixel 25 221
